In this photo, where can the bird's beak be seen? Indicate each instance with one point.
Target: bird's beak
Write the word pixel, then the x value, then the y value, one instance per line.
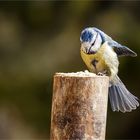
pixel 85 46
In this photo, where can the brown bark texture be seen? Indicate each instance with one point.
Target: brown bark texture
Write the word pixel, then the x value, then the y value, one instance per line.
pixel 79 106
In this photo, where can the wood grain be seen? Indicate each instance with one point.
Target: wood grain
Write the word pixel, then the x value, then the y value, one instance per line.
pixel 79 107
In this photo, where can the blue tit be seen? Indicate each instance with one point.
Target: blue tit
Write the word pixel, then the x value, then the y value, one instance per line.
pixel 100 53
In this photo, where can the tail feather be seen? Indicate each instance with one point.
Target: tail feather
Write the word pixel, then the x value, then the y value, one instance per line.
pixel 129 103
pixel 120 98
pixel 122 105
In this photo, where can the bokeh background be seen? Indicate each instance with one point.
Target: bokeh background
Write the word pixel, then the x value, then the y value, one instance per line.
pixel 39 38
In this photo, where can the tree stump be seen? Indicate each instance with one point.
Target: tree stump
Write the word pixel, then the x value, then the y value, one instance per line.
pixel 79 106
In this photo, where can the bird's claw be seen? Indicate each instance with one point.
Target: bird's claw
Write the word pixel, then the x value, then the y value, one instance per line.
pixel 102 73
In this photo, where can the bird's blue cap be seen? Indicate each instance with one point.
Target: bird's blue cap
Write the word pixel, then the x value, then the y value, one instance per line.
pixel 86 36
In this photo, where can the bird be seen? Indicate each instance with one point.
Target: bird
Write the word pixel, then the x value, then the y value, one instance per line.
pixel 101 55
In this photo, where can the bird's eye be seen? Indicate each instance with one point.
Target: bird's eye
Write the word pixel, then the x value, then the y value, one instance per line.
pixel 93 43
pixel 94 40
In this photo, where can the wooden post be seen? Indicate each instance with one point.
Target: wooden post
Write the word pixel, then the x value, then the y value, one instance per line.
pixel 79 106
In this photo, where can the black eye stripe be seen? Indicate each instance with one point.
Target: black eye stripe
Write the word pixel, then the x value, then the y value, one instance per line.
pixel 94 40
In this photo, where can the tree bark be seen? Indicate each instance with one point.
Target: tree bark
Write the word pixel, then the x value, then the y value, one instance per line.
pixel 79 106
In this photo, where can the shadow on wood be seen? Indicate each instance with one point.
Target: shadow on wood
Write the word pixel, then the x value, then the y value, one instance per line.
pixel 79 106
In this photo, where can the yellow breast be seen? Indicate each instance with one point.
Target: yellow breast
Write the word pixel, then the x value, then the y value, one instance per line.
pixel 89 58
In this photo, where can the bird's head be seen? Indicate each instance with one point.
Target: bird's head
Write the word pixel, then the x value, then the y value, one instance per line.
pixel 90 40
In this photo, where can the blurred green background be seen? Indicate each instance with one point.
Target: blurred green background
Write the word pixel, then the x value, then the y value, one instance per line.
pixel 39 38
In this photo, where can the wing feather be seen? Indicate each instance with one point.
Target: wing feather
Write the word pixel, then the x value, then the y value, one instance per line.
pixel 118 48
pixel 122 50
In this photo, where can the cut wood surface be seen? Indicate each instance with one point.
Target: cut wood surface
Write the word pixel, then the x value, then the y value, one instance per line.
pixel 79 106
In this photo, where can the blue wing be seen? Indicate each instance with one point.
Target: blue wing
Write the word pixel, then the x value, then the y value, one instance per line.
pixel 122 50
pixel 118 48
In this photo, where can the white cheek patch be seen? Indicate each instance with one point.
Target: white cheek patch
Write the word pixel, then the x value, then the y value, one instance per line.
pixel 94 37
